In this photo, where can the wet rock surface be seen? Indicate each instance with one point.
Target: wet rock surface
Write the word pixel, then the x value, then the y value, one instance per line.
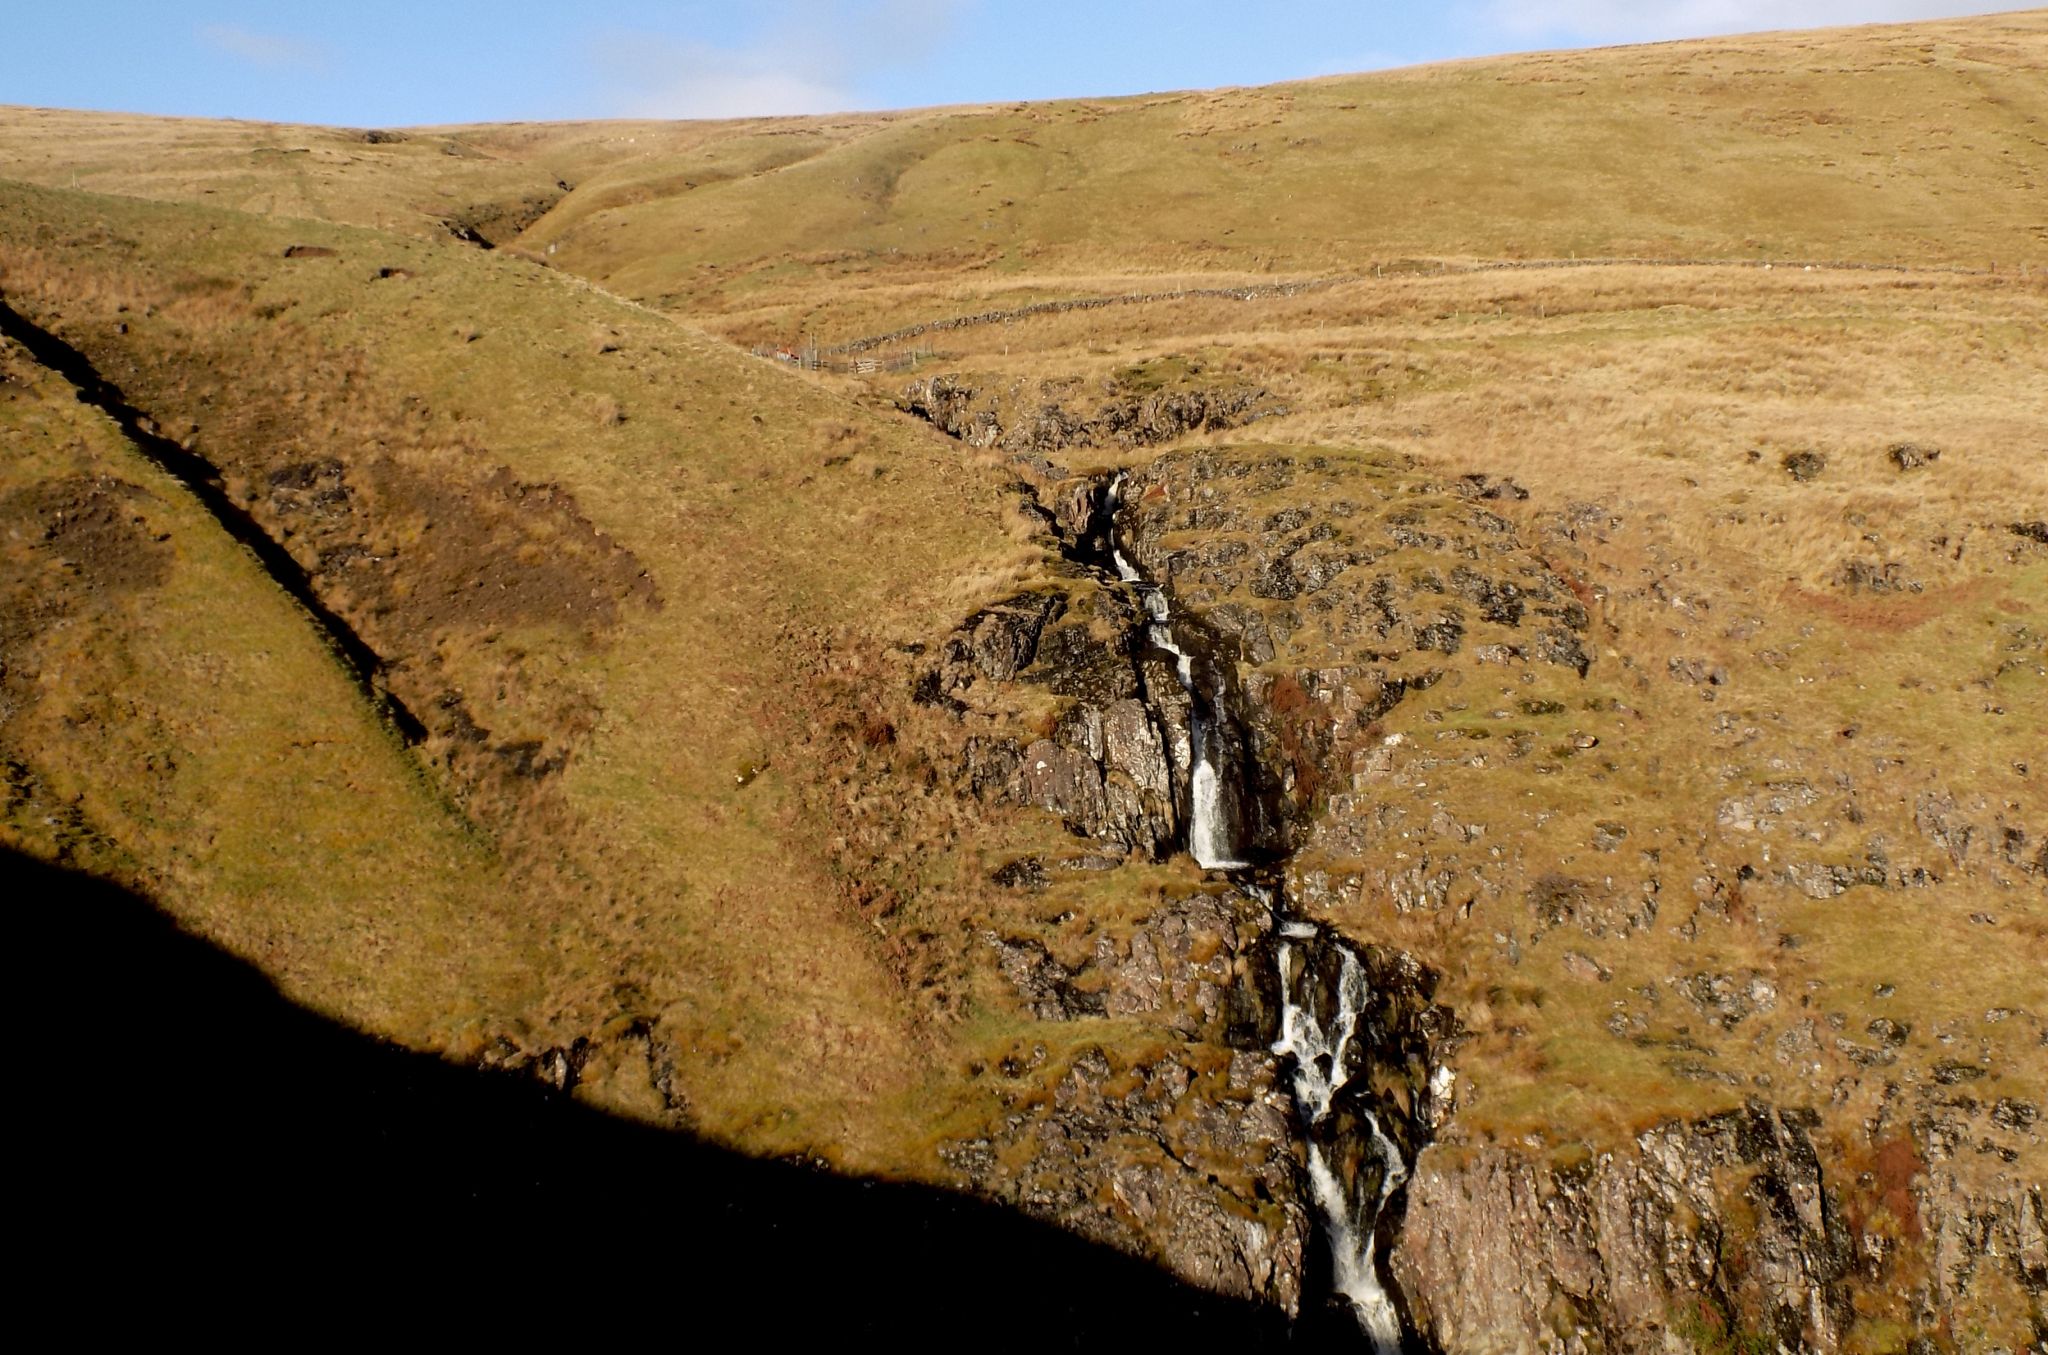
pixel 1757 1224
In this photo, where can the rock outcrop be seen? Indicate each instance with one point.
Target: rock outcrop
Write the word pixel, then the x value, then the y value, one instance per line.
pixel 1715 1227
pixel 1776 1224
pixel 1106 765
pixel 1034 427
pixel 1182 1152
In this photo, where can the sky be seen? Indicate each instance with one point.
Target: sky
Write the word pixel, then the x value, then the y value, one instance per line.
pixel 388 63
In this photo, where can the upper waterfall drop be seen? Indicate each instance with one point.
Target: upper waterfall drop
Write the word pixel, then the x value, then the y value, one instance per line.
pixel 1209 831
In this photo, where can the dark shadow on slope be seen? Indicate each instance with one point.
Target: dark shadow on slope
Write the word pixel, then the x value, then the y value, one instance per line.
pixel 199 476
pixel 199 1147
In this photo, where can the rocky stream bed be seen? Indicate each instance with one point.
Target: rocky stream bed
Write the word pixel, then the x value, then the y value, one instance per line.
pixel 1276 1142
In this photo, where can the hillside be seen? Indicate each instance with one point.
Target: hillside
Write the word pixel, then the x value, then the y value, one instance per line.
pixel 1581 513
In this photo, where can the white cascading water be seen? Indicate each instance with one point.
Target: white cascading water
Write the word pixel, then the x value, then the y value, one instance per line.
pixel 1208 826
pixel 1318 1054
pixel 1319 1074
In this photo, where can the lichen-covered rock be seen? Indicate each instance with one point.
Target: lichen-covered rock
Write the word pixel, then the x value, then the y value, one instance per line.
pixel 993 645
pixel 1107 767
pixel 1720 1224
pixel 1185 1155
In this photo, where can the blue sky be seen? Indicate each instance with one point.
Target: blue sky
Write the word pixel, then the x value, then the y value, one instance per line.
pixel 385 63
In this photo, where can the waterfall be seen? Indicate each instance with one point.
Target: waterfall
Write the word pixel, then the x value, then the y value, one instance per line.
pixel 1208 826
pixel 1320 1074
pixel 1209 829
pixel 1321 1053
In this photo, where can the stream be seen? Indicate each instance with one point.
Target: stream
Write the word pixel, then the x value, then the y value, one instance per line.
pixel 1329 1050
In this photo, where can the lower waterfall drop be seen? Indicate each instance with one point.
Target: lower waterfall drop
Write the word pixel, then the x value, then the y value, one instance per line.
pixel 1320 1074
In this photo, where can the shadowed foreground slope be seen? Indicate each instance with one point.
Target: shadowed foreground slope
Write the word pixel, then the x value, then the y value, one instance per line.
pixel 1606 490
pixel 210 1134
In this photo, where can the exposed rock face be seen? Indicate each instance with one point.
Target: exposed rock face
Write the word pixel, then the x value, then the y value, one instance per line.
pixel 1277 552
pixel 1195 1150
pixel 1767 1226
pixel 1993 1238
pixel 1185 1155
pixel 1194 965
pixel 1060 416
pixel 1719 1226
pixel 1106 767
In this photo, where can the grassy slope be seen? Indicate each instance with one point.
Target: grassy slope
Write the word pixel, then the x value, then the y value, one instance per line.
pixel 277 813
pixel 1919 142
pixel 667 890
pixel 655 886
pixel 1914 142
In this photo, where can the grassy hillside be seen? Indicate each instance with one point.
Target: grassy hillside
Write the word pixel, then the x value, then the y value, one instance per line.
pixel 1919 142
pixel 463 455
pixel 216 755
pixel 1853 144
pixel 1738 342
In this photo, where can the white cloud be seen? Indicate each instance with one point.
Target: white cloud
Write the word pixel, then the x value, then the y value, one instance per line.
pixel 802 56
pixel 1356 62
pixel 268 50
pixel 1651 20
pixel 658 78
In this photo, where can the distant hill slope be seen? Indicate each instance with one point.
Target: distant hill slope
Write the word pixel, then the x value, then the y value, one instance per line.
pixel 1635 668
pixel 1922 142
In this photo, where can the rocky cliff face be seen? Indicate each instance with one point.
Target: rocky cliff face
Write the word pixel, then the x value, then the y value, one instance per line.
pixel 1757 1225
pixel 1197 1148
pixel 1712 1233
pixel 1723 1225
pixel 1034 425
pixel 1178 1145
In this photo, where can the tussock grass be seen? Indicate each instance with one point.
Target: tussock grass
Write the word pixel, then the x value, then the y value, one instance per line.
pixel 647 882
pixel 756 845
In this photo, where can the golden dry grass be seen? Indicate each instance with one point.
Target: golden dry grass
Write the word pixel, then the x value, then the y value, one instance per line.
pixel 653 886
pixel 1668 397
pixel 737 853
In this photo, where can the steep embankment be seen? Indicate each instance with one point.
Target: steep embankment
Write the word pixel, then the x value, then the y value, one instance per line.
pixel 607 565
pixel 1624 680
pixel 218 756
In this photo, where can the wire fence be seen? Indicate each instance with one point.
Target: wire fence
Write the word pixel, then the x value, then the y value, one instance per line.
pixel 811 358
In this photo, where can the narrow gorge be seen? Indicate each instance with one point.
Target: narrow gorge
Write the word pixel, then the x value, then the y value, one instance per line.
pixel 1230 1078
pixel 1352 1168
pixel 1320 1014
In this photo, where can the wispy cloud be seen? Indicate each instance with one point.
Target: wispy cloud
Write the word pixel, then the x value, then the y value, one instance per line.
pixel 269 50
pixel 1354 62
pixel 800 56
pixel 651 76
pixel 1651 20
